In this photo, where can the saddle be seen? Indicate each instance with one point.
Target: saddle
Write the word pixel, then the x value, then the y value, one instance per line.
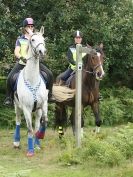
pixel 14 80
pixel 68 81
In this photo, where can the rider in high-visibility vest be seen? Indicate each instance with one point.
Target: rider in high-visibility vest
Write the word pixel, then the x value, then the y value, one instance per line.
pixel 20 55
pixel 71 55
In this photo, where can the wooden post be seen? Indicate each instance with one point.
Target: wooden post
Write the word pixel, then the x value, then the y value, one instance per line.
pixel 78 99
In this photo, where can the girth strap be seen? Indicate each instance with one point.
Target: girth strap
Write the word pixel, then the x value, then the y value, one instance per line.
pixel 35 105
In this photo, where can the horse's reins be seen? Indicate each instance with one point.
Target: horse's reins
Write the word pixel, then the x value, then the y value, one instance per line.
pixel 94 70
pixel 34 48
pixel 33 90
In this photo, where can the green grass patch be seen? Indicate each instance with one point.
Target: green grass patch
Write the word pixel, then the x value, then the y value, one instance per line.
pixel 51 160
pixel 110 150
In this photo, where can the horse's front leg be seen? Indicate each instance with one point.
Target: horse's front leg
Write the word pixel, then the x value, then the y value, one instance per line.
pixel 95 108
pixel 38 115
pixel 16 142
pixel 28 118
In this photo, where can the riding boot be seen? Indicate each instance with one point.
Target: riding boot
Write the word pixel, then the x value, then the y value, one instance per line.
pixel 51 97
pixel 9 95
pixel 49 86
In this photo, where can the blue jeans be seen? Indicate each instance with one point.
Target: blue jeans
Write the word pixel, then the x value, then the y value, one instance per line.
pixel 65 75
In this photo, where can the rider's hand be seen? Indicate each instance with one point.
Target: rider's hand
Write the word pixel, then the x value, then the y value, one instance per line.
pixel 23 59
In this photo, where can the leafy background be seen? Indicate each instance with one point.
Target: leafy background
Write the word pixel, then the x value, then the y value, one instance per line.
pixel 110 22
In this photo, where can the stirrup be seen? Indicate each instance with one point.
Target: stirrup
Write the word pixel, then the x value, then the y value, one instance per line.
pixel 8 101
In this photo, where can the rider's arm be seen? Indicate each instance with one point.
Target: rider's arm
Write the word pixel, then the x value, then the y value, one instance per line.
pixel 17 49
pixel 17 52
pixel 70 57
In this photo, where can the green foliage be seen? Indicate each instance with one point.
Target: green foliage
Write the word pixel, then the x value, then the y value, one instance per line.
pixel 2 85
pixel 69 156
pixel 110 150
pixel 109 22
pixel 123 140
pixel 112 111
pixel 102 152
pixel 117 105
pixel 14 162
pixel 115 108
pixel 51 121
pixel 7 115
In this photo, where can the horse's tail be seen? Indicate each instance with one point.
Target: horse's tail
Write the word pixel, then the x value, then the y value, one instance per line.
pixel 63 93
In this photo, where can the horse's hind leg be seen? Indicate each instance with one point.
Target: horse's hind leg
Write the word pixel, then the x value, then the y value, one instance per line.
pixel 40 128
pixel 95 108
pixel 16 142
pixel 72 119
pixel 41 123
pixel 60 118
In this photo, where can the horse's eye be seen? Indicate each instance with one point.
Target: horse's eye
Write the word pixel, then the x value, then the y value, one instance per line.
pixel 32 40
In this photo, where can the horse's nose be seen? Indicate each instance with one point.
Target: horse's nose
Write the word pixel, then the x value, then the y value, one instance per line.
pixel 100 75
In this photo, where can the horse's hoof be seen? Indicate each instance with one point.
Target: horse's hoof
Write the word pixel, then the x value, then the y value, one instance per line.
pixel 16 145
pixel 37 147
pixel 30 154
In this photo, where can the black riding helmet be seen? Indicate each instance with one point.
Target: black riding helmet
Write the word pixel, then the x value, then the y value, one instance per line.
pixel 77 34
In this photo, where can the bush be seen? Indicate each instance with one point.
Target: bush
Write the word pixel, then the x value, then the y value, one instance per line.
pixel 116 107
pixel 2 85
pixel 111 111
pixel 110 150
pixel 123 140
pixel 102 152
pixel 7 115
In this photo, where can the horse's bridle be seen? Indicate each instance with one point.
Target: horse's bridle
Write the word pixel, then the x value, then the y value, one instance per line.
pixel 94 69
pixel 34 48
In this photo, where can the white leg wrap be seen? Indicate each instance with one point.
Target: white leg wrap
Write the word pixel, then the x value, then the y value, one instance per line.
pixel 97 129
pixel 16 144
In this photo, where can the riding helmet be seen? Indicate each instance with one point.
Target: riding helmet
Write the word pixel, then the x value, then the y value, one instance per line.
pixel 28 21
pixel 78 34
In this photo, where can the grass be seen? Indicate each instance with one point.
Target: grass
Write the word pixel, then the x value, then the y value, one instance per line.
pixel 45 163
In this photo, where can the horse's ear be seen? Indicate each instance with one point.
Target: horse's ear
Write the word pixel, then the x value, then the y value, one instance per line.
pixel 101 45
pixel 42 30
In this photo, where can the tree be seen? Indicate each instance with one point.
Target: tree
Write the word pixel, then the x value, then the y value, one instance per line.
pixel 108 21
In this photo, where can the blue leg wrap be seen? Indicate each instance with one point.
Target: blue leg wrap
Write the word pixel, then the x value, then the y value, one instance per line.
pixel 17 133
pixel 30 144
pixel 36 141
pixel 42 129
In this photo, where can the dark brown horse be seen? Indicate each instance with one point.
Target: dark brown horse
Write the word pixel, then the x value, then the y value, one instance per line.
pixel 91 74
